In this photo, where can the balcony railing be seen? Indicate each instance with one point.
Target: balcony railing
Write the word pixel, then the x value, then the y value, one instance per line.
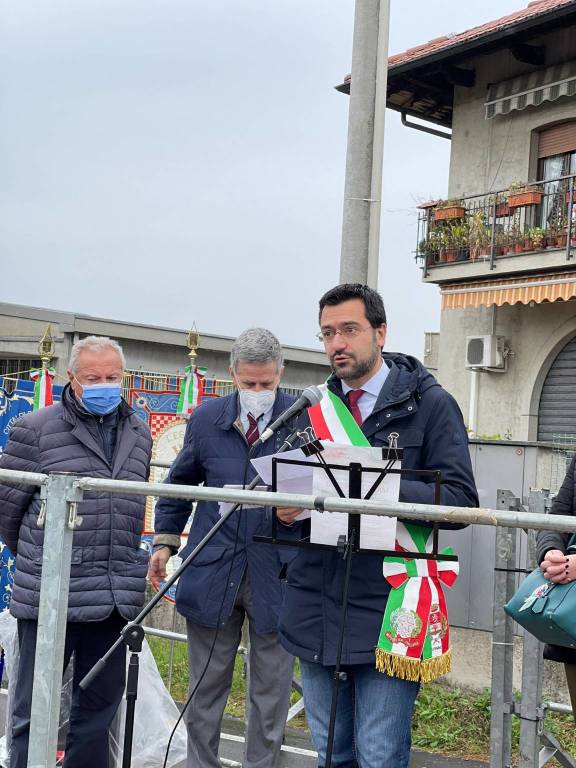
pixel 529 218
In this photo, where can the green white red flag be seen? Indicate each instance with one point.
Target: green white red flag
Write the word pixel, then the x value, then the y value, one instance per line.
pixel 43 387
pixel 191 390
pixel 414 641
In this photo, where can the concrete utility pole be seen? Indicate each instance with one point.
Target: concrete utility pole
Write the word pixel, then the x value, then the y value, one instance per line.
pixel 363 186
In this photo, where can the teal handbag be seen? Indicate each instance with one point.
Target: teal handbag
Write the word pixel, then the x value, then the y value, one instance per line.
pixel 546 610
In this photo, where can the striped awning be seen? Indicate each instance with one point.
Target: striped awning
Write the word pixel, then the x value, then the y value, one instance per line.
pixel 531 90
pixel 522 290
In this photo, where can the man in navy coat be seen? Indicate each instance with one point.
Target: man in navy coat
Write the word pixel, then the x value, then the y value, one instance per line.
pixel 232 577
pixel 387 393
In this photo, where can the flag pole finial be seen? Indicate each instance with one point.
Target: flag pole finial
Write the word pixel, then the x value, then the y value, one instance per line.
pixel 193 343
pixel 46 347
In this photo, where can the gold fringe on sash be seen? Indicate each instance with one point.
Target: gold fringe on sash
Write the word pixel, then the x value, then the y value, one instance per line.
pixel 415 670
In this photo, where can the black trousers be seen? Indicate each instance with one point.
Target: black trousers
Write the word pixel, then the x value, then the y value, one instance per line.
pixel 92 710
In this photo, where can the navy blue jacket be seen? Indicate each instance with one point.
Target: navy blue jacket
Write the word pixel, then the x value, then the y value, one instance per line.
pixel 215 453
pixel 431 431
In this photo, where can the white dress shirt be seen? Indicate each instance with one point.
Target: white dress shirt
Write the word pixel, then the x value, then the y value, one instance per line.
pixel 371 389
pixel 262 420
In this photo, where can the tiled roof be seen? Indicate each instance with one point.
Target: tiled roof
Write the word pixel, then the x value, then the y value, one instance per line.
pixel 438 44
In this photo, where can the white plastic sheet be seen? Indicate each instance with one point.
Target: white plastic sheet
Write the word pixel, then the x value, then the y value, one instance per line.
pixel 156 715
pixel 156 712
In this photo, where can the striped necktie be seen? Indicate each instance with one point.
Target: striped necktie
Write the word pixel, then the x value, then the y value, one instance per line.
pixel 252 434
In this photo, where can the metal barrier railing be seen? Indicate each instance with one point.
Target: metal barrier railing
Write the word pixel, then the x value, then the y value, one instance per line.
pixel 536 744
pixel 61 493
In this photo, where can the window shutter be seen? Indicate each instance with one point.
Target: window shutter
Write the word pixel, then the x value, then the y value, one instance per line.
pixel 558 140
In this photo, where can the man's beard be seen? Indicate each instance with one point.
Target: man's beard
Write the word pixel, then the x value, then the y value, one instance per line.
pixel 356 369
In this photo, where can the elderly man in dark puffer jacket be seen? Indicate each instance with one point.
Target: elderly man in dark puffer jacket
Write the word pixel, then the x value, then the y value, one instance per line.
pixel 91 432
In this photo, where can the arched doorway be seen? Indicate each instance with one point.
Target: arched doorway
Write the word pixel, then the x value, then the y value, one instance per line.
pixel 557 408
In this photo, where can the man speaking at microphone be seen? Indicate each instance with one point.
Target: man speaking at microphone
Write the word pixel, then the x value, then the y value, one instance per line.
pixel 232 577
pixel 386 393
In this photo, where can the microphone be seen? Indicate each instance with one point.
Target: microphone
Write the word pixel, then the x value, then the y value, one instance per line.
pixel 310 396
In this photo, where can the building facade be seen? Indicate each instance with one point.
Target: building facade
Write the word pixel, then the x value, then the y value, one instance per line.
pixel 502 246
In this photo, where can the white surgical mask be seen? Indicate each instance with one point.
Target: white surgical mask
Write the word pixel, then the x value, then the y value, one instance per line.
pixel 257 403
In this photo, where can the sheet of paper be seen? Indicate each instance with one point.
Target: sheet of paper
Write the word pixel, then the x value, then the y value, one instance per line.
pixel 375 532
pixel 224 506
pixel 291 478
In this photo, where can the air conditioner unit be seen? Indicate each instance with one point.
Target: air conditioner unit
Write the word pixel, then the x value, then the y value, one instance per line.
pixel 485 351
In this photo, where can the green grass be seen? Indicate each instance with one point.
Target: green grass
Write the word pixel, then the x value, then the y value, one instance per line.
pixel 447 720
pixel 179 686
pixel 454 722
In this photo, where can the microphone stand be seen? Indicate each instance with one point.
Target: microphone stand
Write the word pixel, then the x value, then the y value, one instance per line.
pixel 132 635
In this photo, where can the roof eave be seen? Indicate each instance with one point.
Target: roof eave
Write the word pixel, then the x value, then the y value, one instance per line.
pixel 480 44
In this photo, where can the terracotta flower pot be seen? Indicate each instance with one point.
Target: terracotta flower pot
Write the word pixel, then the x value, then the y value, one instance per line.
pixel 451 254
pixel 502 209
pixel 454 212
pixel 524 198
pixel 561 240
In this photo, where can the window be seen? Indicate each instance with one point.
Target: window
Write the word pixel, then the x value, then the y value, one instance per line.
pixel 17 369
pixel 556 158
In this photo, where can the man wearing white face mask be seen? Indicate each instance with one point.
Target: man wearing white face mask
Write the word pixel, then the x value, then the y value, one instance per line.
pixel 92 431
pixel 233 577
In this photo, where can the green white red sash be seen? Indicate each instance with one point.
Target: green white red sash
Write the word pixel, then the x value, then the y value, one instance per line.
pixel 191 390
pixel 414 641
pixel 43 390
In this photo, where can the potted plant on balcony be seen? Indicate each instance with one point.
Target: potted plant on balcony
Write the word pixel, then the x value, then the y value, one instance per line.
pixel 457 235
pixel 516 239
pixel 535 239
pixel 521 194
pixel 449 209
pixel 479 235
pixel 502 207
pixel 557 220
pixel 429 249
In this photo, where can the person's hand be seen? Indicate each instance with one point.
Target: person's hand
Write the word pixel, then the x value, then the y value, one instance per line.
pixel 287 515
pixel 157 566
pixel 558 567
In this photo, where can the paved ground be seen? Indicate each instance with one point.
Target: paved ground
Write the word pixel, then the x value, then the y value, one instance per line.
pixel 297 752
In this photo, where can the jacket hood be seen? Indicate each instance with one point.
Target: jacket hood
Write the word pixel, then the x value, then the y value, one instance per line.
pixel 411 372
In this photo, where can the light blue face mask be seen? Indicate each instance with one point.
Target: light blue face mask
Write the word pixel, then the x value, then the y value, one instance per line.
pixel 101 399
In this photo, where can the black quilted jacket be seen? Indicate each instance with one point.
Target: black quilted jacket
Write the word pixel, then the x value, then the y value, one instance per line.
pixel 108 567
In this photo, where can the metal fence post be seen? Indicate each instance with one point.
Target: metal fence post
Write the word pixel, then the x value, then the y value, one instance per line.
pixel 530 708
pixel 59 498
pixel 502 704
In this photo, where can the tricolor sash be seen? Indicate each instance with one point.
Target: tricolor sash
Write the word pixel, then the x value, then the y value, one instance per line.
pixel 414 641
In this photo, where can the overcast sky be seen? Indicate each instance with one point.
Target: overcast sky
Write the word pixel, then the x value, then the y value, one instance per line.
pixel 175 160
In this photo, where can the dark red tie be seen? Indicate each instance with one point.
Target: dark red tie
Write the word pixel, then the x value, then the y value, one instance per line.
pixel 252 434
pixel 353 396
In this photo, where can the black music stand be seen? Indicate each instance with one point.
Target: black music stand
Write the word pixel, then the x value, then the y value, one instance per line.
pixel 350 545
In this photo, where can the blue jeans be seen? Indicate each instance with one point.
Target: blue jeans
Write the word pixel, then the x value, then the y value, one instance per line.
pixel 373 718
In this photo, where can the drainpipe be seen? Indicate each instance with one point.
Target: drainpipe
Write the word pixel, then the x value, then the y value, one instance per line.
pixel 473 409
